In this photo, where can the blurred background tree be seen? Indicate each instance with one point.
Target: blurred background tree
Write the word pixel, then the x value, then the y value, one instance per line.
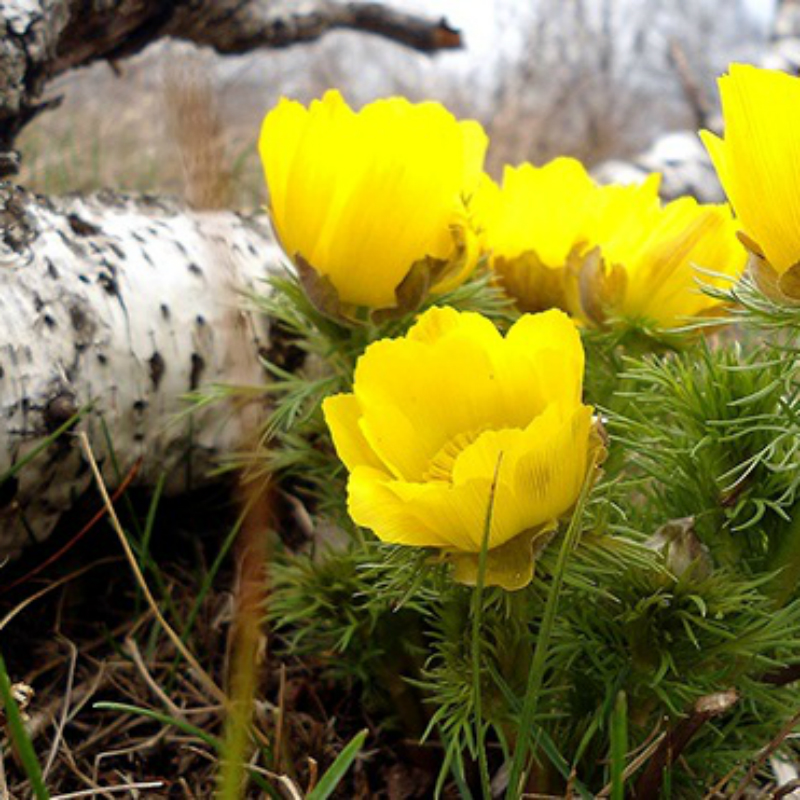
pixel 597 79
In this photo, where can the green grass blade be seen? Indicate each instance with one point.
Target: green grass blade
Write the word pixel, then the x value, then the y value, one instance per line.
pixel 19 736
pixel 187 728
pixel 165 719
pixel 539 663
pixel 43 445
pixel 333 776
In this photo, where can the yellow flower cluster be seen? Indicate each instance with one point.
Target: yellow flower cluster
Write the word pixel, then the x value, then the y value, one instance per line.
pixel 378 208
pixel 558 239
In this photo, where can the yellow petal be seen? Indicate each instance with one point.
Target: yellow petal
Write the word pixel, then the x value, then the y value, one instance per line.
pixel 417 395
pixel 541 472
pixel 373 503
pixel 542 468
pixel 538 209
pixel 759 158
pixel 454 374
pixel 343 416
pixel 549 346
pixel 686 242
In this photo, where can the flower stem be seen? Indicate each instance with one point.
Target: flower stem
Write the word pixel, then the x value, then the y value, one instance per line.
pixel 536 674
pixel 477 617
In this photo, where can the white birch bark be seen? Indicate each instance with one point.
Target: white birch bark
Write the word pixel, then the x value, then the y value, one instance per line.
pixel 124 306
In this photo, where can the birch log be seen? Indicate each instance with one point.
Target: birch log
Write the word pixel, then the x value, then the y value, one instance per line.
pixel 123 307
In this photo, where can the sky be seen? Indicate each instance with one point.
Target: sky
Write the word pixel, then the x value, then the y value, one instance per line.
pixel 476 18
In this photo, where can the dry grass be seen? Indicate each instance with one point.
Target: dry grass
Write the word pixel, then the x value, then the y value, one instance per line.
pixel 159 125
pixel 92 638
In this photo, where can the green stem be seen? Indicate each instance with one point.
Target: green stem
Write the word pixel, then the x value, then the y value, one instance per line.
pixel 477 616
pixel 19 737
pixel 536 674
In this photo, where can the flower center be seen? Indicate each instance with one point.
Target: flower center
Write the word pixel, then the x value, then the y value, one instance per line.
pixel 441 465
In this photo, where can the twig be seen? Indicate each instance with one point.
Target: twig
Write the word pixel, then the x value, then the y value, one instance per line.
pixel 128 787
pixel 692 90
pixel 50 587
pixel 138 747
pixel 78 536
pixel 635 764
pixel 61 724
pixel 776 742
pixel 252 25
pixel 783 676
pixel 4 795
pixel 202 676
pixel 787 788
pixel 280 720
pixel 676 740
pixel 132 649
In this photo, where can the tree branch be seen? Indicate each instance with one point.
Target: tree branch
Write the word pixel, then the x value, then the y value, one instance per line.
pixel 239 27
pixel 43 38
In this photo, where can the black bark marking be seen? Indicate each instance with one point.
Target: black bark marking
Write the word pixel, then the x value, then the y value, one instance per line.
pixel 49 322
pixel 102 359
pixel 157 369
pixel 109 284
pixel 81 227
pixel 165 311
pixel 198 365
pixel 284 350
pixel 200 320
pixel 140 406
pixel 77 316
pixel 195 270
pixel 117 250
pixel 51 269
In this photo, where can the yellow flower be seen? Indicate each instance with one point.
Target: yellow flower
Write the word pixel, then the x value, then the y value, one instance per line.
pixel 434 413
pixel 758 163
pixel 363 197
pixel 663 261
pixel 532 226
pixel 558 239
